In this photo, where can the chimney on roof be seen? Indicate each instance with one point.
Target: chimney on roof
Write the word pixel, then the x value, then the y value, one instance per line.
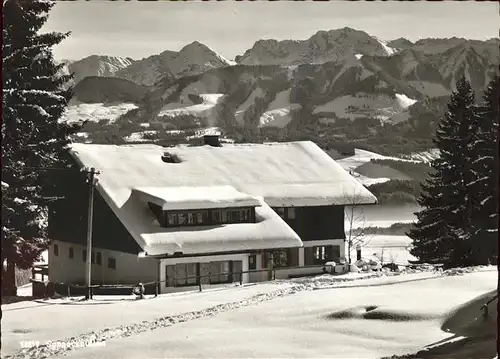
pixel 211 140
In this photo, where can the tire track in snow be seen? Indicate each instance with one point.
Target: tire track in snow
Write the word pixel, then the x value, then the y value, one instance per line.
pixel 61 347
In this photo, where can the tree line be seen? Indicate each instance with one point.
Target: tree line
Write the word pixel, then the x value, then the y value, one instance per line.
pixel 458 225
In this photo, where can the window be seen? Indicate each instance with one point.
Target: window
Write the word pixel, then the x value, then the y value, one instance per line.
pixel 182 219
pixel 319 253
pixel 84 255
pixel 56 250
pixel 111 263
pixel 239 216
pixel 98 258
pixel 224 216
pixel 244 215
pixel 290 213
pixel 252 262
pixel 71 252
pixel 199 218
pixel 172 219
pixel 191 218
pixel 280 258
pixel 92 257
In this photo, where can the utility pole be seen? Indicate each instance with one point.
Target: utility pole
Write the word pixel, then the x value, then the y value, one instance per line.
pixel 91 180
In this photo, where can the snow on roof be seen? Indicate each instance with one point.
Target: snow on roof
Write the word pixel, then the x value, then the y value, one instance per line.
pixel 178 198
pixel 269 232
pixel 285 174
pixel 280 174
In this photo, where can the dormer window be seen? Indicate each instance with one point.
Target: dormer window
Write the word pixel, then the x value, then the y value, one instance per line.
pixel 203 217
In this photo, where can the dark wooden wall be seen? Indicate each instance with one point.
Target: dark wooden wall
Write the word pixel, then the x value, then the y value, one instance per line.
pixel 319 222
pixel 68 221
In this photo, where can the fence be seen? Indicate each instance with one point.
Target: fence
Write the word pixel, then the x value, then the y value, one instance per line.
pixel 154 286
pixel 485 306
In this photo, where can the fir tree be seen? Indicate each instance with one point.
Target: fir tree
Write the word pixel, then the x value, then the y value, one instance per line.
pixel 442 228
pixel 33 140
pixel 484 240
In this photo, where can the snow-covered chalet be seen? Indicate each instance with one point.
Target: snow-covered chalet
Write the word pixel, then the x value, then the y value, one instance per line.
pixel 176 214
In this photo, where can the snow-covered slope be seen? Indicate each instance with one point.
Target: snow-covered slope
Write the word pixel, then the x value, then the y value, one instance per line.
pixel 363 105
pixel 95 112
pixel 278 112
pixel 363 157
pixel 205 109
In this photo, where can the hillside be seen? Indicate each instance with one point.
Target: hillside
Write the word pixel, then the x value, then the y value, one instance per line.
pixel 340 88
pixel 108 89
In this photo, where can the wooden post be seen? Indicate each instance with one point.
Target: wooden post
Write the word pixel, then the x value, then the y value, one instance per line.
pixel 198 275
pixel 241 278
pixel 69 291
pixel 157 289
pixel 91 180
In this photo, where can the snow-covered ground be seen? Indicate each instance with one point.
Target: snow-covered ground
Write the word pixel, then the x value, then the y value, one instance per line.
pixel 278 111
pixel 95 112
pixel 362 156
pixel 389 50
pixel 386 249
pixel 204 109
pixel 240 111
pixel 425 156
pixel 55 319
pixel 361 317
pixel 139 136
pixel 362 105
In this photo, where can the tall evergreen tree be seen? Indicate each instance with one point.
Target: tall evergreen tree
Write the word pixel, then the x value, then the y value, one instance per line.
pixel 444 223
pixel 484 240
pixel 33 139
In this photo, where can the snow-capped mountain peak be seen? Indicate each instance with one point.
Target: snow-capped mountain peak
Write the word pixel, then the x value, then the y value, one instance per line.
pixel 98 65
pixel 323 46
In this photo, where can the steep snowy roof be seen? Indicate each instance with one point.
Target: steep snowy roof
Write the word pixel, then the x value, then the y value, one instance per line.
pixel 178 198
pixel 281 174
pixel 285 174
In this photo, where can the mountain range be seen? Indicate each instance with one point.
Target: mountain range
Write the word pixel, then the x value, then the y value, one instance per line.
pixel 332 83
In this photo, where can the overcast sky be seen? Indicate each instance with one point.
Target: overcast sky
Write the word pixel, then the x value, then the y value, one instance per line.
pixel 141 29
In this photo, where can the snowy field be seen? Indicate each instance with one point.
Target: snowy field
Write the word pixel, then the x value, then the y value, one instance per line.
pixel 204 109
pixel 386 249
pixel 362 316
pixel 366 321
pixel 95 112
pixel 63 318
pixel 362 157
pixel 278 111
pixel 383 107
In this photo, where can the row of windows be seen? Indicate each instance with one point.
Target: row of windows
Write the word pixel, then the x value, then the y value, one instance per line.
pixel 205 217
pixel 96 257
